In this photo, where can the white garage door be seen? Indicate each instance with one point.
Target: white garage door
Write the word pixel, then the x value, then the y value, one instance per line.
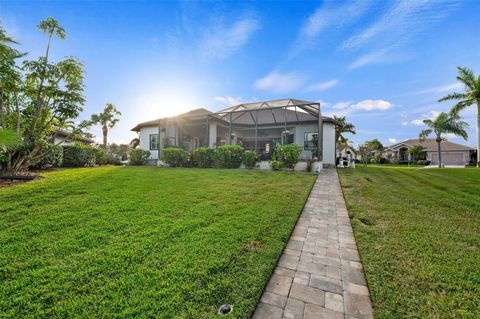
pixel 450 158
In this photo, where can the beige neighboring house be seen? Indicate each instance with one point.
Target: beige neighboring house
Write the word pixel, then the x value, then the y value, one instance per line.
pixel 63 137
pixel 452 153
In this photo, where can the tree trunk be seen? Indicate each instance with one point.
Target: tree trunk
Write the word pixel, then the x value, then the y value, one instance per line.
pixel 439 150
pixel 105 133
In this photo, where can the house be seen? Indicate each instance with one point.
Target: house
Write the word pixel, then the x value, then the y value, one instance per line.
pixel 64 138
pixel 347 151
pixel 452 153
pixel 259 126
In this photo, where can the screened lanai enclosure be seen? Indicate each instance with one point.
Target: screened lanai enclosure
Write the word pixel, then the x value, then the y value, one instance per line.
pixel 259 126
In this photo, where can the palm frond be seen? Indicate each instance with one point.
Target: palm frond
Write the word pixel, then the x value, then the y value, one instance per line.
pixel 466 76
pixel 453 96
pixel 461 105
pixel 424 134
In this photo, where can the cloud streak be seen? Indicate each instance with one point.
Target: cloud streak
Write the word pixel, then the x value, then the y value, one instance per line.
pixel 279 82
pixel 221 41
pixel 398 26
pixel 322 86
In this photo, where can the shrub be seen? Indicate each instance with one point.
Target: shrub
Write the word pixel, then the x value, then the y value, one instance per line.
pixel 54 157
pixel 286 156
pixel 79 155
pixel 175 156
pixel 204 157
pixel 137 156
pixel 101 157
pixel 423 162
pixel 250 159
pixel 229 156
pixel 384 160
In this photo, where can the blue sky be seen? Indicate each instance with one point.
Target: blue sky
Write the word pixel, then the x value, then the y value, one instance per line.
pixel 383 64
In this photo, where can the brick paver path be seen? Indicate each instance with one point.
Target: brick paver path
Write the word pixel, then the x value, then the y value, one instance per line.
pixel 319 274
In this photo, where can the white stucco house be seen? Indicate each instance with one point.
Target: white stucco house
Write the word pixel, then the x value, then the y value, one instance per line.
pixel 259 126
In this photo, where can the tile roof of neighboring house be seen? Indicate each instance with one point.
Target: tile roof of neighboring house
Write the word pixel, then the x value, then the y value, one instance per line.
pixel 193 113
pixel 430 145
pixel 346 147
pixel 65 134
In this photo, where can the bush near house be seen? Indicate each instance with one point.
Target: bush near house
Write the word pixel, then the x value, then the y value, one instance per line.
pixel 203 157
pixel 79 155
pixel 175 156
pixel 286 156
pixel 229 156
pixel 138 156
pixel 53 158
pixel 250 159
pixel 101 156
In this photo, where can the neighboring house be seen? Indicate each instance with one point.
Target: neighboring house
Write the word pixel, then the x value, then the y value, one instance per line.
pixel 256 126
pixel 63 137
pixel 452 153
pixel 346 151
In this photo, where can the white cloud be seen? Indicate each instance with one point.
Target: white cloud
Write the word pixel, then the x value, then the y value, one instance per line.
pixel 430 116
pixel 322 86
pixel 392 140
pixel 442 88
pixel 401 22
pixel 333 15
pixel 228 100
pixel 404 123
pixel 386 39
pixel 221 41
pixel 369 58
pixel 342 105
pixel 372 105
pixel 417 122
pixel 279 82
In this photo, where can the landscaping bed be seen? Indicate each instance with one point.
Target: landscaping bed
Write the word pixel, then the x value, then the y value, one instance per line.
pixel 417 232
pixel 143 242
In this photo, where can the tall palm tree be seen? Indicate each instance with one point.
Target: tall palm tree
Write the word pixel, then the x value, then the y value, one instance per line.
pixel 106 119
pixel 470 97
pixel 342 127
pixel 442 124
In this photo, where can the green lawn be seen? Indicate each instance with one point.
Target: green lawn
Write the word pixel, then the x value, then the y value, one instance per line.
pixel 418 233
pixel 143 242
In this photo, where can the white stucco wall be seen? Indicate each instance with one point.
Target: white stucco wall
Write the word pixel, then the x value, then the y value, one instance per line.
pixel 144 136
pixel 328 139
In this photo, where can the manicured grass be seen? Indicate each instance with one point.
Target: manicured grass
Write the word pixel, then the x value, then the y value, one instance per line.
pixel 418 233
pixel 143 242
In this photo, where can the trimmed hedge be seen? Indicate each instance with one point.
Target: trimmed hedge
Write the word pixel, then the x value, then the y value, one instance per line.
pixel 79 155
pixel 54 157
pixel 175 156
pixel 137 156
pixel 204 157
pixel 229 156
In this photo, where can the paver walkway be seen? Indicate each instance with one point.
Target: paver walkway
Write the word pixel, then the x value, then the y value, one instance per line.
pixel 319 274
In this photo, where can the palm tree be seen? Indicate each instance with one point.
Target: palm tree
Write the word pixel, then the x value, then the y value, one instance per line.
pixel 470 97
pixel 444 123
pixel 107 119
pixel 342 127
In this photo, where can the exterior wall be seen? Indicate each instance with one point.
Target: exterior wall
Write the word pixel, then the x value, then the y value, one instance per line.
pixel 329 146
pixel 144 136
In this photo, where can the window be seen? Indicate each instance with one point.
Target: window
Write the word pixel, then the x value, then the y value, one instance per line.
pixel 154 142
pixel 310 141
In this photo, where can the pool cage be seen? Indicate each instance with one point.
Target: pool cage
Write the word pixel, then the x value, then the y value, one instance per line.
pixel 251 124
